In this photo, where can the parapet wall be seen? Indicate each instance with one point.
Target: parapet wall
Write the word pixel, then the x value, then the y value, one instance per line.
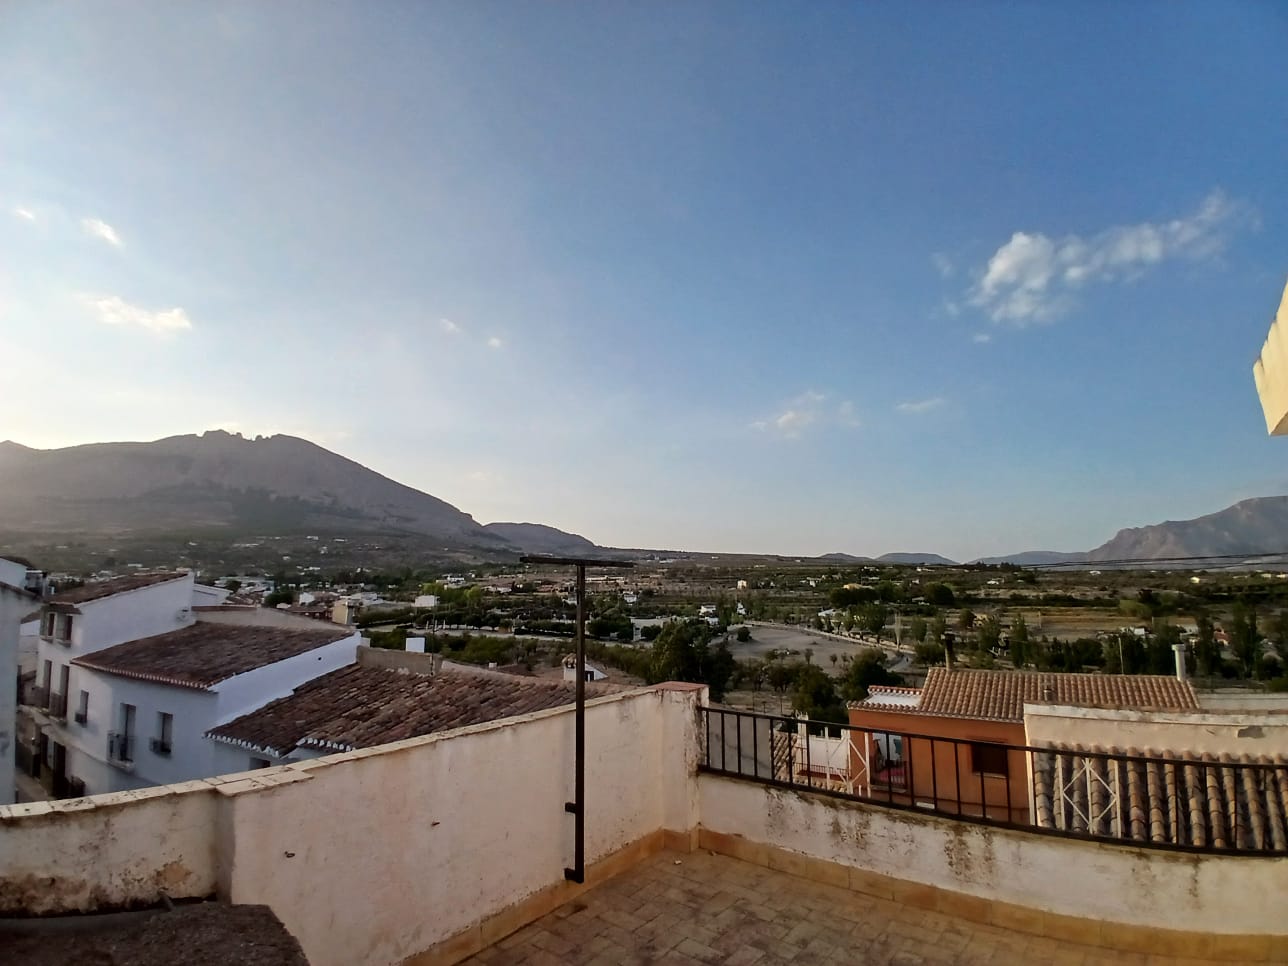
pixel 376 855
pixel 1072 878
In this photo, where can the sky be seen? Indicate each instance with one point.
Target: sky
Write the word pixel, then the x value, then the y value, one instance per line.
pixel 769 278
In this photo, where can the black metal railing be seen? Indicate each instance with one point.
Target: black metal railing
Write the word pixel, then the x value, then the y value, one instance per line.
pixel 159 746
pixel 120 746
pixel 1205 804
pixel 40 697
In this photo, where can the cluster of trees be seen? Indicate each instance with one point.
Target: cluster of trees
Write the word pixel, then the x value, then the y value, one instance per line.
pixel 813 691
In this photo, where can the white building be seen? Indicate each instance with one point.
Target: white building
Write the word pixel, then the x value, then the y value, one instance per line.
pixel 570 670
pixel 130 680
pixel 16 601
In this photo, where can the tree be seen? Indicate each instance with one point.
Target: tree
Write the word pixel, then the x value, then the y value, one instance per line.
pixel 1279 635
pixel 1207 656
pixel 1245 639
pixel 872 619
pixel 941 595
pixel 917 629
pixel 990 634
pixel 744 634
pixel 815 695
pixel 938 628
pixel 232 585
pixel 682 653
pixel 1019 641
pixel 1162 654
pixel 867 668
pixel 965 620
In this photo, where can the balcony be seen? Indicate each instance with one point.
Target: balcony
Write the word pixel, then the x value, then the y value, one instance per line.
pixel 160 747
pixel 415 851
pixel 58 706
pixel 120 748
pixel 40 698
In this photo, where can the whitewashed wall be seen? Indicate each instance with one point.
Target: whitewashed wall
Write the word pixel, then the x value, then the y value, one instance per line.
pixel 1111 883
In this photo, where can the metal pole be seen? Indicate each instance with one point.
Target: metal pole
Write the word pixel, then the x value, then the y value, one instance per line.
pixel 578 808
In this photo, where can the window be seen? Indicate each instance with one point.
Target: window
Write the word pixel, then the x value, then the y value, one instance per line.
pixel 82 708
pixel 165 730
pixel 48 676
pixel 987 758
pixel 47 624
pixel 65 628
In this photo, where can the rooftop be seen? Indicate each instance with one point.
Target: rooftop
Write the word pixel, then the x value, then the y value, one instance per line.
pixel 1001 695
pixel 703 907
pixel 360 706
pixel 204 654
pixel 117 585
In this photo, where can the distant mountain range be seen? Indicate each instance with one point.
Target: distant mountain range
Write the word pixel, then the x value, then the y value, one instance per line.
pixel 222 482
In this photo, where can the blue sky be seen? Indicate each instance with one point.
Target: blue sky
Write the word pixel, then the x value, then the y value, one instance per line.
pixel 965 278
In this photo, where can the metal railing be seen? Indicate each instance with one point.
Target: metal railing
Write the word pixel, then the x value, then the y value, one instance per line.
pixel 159 746
pixel 120 746
pixel 40 697
pixel 1205 804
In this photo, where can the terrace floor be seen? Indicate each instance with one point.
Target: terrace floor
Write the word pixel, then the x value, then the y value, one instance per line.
pixel 707 908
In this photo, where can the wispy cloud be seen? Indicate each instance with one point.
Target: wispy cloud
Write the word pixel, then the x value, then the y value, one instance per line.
pixel 494 342
pixel 943 265
pixel 808 410
pixel 981 338
pixel 114 310
pixel 448 326
pixel 918 406
pixel 1033 278
pixel 101 230
pixel 26 214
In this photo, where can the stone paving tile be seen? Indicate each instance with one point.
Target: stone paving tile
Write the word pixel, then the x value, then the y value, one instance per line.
pixel 701 908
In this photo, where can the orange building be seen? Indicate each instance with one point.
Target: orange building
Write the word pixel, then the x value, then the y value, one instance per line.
pixel 957 743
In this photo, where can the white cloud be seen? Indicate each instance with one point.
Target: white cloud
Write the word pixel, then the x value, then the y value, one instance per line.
pixel 101 230
pixel 943 264
pixel 980 338
pixel 494 342
pixel 919 406
pixel 448 326
pixel 1033 278
pixel 114 310
pixel 808 409
pixel 26 214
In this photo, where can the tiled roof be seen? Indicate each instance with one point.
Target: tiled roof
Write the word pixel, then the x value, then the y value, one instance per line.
pixel 360 706
pixel 204 654
pixel 1163 797
pixel 117 585
pixel 1001 695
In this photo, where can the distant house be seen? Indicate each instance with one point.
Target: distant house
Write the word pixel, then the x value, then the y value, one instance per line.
pixel 425 602
pixel 957 739
pixel 130 679
pixel 570 670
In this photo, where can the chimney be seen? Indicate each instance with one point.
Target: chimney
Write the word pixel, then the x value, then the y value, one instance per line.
pixel 1048 692
pixel 1181 673
pixel 416 645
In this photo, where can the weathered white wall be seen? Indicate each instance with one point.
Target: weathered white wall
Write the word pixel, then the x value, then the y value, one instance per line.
pixel 14 605
pixel 1111 883
pixel 1188 733
pixel 127 849
pixel 373 856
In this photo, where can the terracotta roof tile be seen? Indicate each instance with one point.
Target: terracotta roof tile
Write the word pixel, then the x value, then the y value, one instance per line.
pixel 1001 695
pixel 117 585
pixel 1164 797
pixel 204 654
pixel 360 706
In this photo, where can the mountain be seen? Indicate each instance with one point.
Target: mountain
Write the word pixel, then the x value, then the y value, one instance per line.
pixel 916 558
pixel 1036 558
pixel 539 538
pixel 1250 527
pixel 847 558
pixel 275 484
